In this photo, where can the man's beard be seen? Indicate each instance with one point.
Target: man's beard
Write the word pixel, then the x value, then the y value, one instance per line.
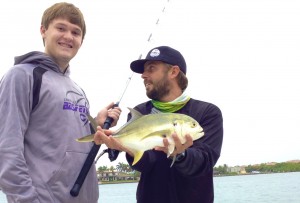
pixel 160 89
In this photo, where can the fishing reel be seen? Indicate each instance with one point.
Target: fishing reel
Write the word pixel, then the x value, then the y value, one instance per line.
pixel 112 154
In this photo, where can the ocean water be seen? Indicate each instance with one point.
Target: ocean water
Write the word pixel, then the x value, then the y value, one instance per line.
pixel 261 188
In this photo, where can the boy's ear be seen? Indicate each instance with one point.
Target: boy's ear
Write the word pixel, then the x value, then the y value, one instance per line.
pixel 42 30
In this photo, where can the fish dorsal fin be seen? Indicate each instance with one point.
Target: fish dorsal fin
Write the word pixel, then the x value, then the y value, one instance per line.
pixel 134 116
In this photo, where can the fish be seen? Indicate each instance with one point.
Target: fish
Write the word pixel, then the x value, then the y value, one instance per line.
pixel 145 132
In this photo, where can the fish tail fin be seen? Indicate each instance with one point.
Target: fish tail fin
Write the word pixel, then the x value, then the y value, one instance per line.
pixel 137 157
pixel 88 138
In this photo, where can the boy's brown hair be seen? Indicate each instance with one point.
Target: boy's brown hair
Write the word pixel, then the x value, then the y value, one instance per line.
pixel 67 11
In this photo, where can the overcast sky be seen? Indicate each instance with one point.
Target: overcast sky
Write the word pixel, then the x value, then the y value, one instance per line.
pixel 242 55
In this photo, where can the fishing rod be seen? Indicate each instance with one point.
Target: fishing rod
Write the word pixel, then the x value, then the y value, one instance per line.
pixel 94 151
pixel 113 154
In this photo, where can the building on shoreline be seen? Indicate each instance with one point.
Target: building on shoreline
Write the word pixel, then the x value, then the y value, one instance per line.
pixel 106 176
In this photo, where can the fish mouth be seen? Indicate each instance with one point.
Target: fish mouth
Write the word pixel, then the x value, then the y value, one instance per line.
pixel 200 134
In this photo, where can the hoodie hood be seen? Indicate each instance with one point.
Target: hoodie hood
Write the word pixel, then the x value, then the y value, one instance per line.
pixel 41 59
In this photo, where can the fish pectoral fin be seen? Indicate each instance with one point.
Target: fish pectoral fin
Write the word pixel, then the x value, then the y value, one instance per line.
pixel 137 156
pixel 88 138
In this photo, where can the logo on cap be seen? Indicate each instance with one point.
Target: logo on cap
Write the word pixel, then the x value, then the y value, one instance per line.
pixel 154 53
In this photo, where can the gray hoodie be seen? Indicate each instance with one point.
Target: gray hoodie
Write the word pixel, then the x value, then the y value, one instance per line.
pixel 39 157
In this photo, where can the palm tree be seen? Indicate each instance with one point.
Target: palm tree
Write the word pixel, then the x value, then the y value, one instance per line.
pixel 102 169
pixel 119 167
pixel 112 169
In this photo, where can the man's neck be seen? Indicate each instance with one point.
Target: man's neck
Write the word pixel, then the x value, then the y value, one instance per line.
pixel 171 96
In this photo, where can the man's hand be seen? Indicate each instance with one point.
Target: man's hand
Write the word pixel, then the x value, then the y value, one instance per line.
pixel 179 148
pixel 109 111
pixel 103 136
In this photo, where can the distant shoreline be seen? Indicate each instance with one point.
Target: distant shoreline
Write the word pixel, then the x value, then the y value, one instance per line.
pixel 245 174
pixel 117 182
pixel 215 176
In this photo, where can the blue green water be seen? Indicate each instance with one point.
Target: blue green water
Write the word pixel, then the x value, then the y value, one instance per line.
pixel 261 188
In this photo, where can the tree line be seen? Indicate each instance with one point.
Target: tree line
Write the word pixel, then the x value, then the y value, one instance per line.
pixel 275 168
pixel 221 170
pixel 262 168
pixel 121 168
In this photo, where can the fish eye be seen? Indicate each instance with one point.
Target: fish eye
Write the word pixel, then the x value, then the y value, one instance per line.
pixel 174 124
pixel 164 135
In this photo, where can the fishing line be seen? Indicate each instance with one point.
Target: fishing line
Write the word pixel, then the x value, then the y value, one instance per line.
pixel 113 154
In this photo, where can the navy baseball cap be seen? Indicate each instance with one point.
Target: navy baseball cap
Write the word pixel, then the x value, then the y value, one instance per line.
pixel 163 53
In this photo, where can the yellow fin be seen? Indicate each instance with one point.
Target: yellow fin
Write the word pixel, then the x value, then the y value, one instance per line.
pixel 137 157
pixel 88 138
pixel 171 149
pixel 173 161
pixel 93 122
